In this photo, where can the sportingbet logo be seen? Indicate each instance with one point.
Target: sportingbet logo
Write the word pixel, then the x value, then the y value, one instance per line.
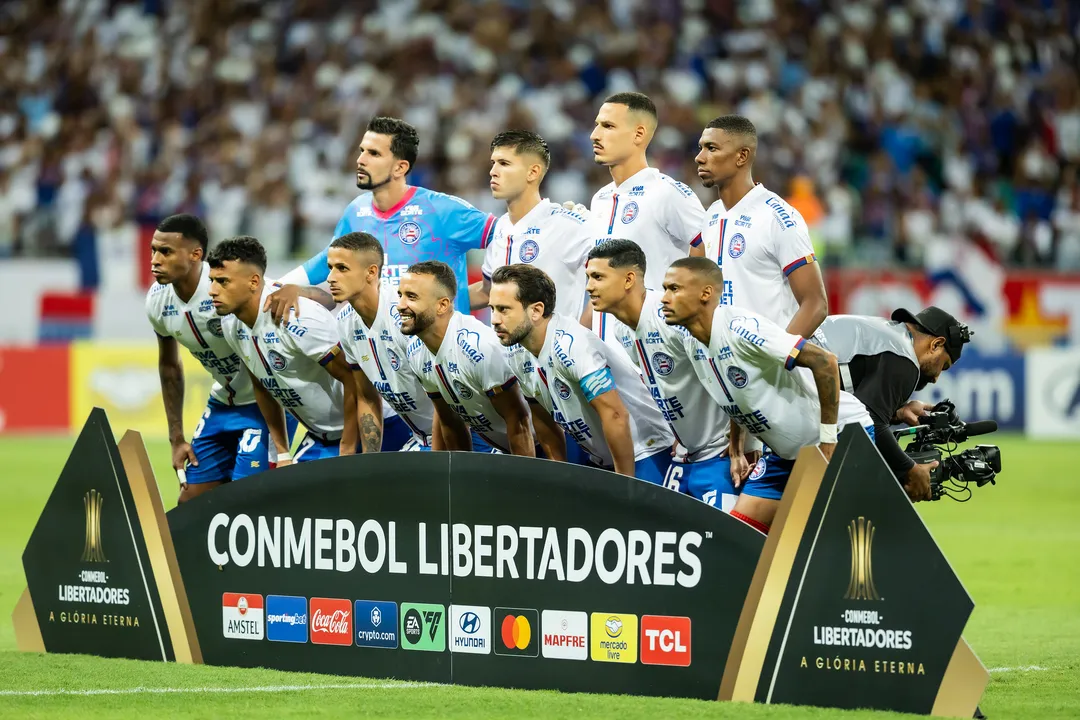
pixel 665 640
pixel 331 621
pixel 286 618
pixel 564 635
pixel 242 616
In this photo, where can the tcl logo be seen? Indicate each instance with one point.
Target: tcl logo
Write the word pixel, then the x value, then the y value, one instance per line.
pixel 331 621
pixel 665 640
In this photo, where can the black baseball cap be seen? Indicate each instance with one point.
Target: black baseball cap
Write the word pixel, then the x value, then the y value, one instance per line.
pixel 935 321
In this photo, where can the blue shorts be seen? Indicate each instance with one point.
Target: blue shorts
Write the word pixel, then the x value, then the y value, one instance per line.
pixel 707 480
pixel 769 477
pixel 314 448
pixel 397 435
pixel 574 453
pixel 480 445
pixel 230 443
pixel 654 467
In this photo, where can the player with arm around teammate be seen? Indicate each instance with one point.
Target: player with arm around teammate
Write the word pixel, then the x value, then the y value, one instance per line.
pixel 593 391
pixel 756 372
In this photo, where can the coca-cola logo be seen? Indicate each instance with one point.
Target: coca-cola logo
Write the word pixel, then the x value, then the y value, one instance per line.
pixel 331 621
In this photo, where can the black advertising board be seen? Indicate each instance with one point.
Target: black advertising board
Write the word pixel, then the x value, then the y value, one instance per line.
pixel 496 570
pixel 86 563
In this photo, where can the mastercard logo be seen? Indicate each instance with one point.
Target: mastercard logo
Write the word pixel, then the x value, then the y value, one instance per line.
pixel 516 632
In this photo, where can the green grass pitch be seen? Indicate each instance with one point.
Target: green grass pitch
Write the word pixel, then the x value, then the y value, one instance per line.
pixel 1015 546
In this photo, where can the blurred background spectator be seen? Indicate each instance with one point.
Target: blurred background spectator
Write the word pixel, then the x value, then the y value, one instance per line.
pixel 897 127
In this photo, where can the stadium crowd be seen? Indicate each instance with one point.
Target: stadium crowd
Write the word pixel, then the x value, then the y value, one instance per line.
pixel 893 125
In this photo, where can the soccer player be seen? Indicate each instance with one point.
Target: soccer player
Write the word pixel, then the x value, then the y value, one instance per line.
pixel 745 360
pixel 760 241
pixel 593 391
pixel 534 230
pixel 616 271
pixel 231 440
pixel 462 367
pixel 413 224
pixel 296 367
pixel 370 329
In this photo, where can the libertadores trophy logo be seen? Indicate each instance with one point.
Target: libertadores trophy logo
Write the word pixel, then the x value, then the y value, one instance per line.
pixel 861 585
pixel 92 550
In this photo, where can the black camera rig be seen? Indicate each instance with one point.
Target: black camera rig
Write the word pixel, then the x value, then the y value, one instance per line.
pixel 955 472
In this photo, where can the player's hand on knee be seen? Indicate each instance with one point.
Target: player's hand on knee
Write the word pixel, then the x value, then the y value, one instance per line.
pixel 182 454
pixel 284 303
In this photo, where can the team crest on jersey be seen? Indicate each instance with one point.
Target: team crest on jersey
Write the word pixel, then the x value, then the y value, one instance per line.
pixel 529 250
pixel 737 376
pixel 214 326
pixel 409 233
pixel 460 388
pixel 277 360
pixel 562 389
pixel 395 361
pixel 663 363
pixel 737 246
pixel 629 213
pixel 758 470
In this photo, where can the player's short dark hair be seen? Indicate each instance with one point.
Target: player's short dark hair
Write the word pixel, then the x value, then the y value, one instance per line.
pixel 620 254
pixel 404 140
pixel 524 141
pixel 734 124
pixel 702 267
pixel 533 285
pixel 360 242
pixel 187 225
pixel 242 248
pixel 639 102
pixel 439 270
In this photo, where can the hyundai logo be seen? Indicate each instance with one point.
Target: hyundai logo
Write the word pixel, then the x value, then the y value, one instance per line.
pixel 469 623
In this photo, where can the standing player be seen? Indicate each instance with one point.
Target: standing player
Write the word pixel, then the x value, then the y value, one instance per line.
pixel 594 392
pixel 747 367
pixel 760 241
pixel 370 329
pixel 462 367
pixel 297 367
pixel 534 231
pixel 616 272
pixel 413 224
pixel 231 440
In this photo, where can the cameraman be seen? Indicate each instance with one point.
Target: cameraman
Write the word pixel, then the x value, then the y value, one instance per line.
pixel 883 362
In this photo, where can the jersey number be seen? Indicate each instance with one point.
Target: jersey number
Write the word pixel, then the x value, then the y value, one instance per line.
pixel 673 479
pixel 250 440
pixel 202 423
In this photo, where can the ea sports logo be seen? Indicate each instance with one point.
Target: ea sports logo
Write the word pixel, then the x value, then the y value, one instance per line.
pixel 629 213
pixel 462 390
pixel 529 250
pixel 737 246
pixel 562 389
pixel 663 363
pixel 395 361
pixel 737 376
pixel 214 326
pixel 409 233
pixel 277 360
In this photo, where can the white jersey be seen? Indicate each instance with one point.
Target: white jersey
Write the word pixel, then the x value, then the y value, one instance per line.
pixel 525 366
pixel 467 371
pixel 758 243
pixel 663 216
pixel 549 237
pixel 380 352
pixel 196 325
pixel 572 364
pixel 290 361
pixel 748 369
pixel 659 351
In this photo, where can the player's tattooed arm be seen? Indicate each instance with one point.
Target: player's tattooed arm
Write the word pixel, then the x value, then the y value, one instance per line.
pixel 274 415
pixel 548 433
pixel 369 412
pixel 826 371
pixel 171 372
pixel 511 405
pixel 451 432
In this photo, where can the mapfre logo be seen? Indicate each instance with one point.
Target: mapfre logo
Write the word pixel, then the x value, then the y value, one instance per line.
pixel 331 621
pixel 665 640
pixel 564 634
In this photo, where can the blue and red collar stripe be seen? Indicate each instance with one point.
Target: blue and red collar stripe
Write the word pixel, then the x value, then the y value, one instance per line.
pixel 614 207
pixel 720 245
pixel 258 351
pixel 720 379
pixel 195 330
pixel 446 383
pixel 645 367
pixel 375 355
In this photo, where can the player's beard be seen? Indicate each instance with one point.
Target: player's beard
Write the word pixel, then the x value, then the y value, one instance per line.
pixel 370 184
pixel 421 322
pixel 522 331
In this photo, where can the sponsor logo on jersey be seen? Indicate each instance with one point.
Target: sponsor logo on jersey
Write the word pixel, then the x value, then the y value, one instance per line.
pixel 331 621
pixel 242 616
pixel 629 213
pixel 277 360
pixel 470 629
pixel 564 635
pixel 737 246
pixel 737 376
pixel 743 221
pixel 214 326
pixel 169 311
pixel 376 624
pixel 358 335
pixel 637 191
pixel 781 213
pixel 517 632
pixel 462 390
pixel 469 342
pixel 562 389
pixel 409 233
pixel 409 210
pixel 614 637
pixel 663 363
pixel 665 640
pixel 563 342
pixel 528 251
pixel 363 212
pixel 395 361
pixel 286 618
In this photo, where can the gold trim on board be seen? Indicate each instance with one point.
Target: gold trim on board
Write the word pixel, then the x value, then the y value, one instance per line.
pixel 963 684
pixel 27 630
